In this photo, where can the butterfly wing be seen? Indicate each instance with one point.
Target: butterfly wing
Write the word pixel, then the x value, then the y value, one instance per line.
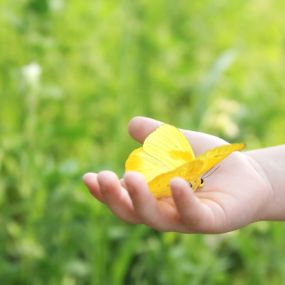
pixel 189 171
pixel 216 155
pixel 168 144
pixel 163 150
pixel 166 153
pixel 146 164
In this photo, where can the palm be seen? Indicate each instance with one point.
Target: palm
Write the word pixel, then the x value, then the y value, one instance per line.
pixel 224 203
pixel 229 191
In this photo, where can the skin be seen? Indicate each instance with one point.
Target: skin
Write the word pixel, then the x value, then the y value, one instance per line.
pixel 247 187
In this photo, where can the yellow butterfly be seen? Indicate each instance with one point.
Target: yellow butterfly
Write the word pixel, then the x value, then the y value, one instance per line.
pixel 166 153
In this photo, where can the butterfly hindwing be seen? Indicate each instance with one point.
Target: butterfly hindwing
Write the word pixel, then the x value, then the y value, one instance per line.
pixel 159 186
pixel 147 165
pixel 215 155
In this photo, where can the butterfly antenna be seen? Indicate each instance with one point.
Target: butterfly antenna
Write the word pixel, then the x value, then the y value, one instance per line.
pixel 210 173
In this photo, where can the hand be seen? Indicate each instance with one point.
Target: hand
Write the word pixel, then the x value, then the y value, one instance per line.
pixel 234 195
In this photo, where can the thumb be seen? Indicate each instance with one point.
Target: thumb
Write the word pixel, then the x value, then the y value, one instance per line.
pixel 140 127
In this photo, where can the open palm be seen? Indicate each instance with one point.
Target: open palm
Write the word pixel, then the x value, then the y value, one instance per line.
pixel 232 196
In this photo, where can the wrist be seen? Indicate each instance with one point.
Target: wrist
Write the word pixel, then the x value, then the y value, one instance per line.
pixel 268 163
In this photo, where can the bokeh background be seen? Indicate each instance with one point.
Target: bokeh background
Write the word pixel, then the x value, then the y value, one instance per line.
pixel 72 74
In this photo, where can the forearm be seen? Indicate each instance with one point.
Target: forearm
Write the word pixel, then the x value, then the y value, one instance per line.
pixel 272 163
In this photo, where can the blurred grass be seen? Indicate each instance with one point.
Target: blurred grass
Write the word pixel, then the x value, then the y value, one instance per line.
pixel 72 75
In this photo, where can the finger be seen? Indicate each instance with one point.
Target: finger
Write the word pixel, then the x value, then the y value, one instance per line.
pixel 90 180
pixel 195 215
pixel 159 216
pixel 117 197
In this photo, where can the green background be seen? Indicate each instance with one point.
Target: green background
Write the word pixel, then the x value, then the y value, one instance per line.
pixel 72 74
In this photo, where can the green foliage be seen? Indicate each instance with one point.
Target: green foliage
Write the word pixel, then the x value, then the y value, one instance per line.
pixel 72 74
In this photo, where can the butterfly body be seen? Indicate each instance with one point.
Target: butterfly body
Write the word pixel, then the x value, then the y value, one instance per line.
pixel 166 153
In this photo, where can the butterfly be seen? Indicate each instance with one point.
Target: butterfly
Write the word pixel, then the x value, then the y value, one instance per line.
pixel 166 153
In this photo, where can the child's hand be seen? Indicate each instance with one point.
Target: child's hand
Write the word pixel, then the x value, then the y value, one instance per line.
pixel 234 195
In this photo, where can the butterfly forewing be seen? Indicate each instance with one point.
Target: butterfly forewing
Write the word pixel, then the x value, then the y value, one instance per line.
pixel 169 145
pixel 217 154
pixel 163 150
